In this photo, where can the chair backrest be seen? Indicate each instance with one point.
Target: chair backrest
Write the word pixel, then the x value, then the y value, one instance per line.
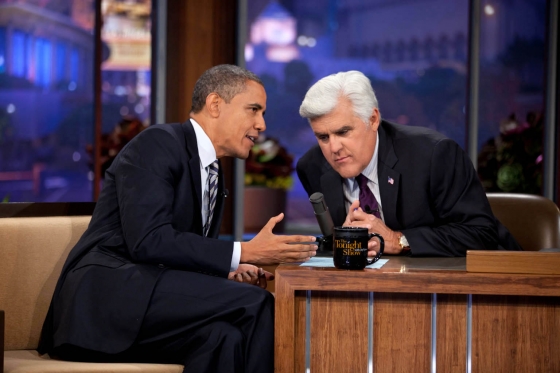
pixel 32 252
pixel 533 220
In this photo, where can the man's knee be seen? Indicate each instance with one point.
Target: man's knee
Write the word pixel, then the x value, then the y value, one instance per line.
pixel 221 332
pixel 259 298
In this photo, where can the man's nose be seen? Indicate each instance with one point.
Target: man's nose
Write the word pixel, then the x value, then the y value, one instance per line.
pixel 260 125
pixel 335 145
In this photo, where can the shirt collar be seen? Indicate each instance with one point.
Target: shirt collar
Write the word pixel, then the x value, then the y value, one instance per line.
pixel 206 151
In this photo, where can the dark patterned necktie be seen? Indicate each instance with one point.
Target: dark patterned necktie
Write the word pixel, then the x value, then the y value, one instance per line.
pixel 212 193
pixel 368 203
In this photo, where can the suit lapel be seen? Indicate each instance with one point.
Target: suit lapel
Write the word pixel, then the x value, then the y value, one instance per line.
pixel 194 159
pixel 194 169
pixel 389 179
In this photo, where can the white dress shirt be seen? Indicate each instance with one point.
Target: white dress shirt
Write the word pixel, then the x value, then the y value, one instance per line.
pixel 352 189
pixel 207 155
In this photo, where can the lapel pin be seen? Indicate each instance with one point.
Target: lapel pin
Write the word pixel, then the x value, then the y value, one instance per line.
pixel 390 180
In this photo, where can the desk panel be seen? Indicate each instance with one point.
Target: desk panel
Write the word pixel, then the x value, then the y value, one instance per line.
pixel 513 323
pixel 515 334
pixel 339 331
pixel 451 333
pixel 409 317
pixel 299 360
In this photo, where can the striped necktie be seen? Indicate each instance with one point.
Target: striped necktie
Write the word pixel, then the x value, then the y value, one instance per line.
pixel 212 193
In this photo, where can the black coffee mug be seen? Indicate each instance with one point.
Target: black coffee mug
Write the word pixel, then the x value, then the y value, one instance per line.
pixel 350 247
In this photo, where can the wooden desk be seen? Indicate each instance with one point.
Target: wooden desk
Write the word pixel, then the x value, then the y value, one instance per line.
pixel 1 341
pixel 415 315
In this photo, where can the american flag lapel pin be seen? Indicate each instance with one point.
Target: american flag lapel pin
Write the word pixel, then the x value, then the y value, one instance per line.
pixel 390 180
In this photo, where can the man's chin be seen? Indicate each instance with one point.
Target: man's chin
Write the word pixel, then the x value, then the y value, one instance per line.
pixel 346 172
pixel 243 155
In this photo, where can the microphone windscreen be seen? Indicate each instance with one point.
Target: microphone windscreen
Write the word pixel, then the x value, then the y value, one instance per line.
pixel 318 202
pixel 322 213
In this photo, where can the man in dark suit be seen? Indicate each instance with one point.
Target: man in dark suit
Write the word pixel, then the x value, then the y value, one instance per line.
pixel 421 190
pixel 149 281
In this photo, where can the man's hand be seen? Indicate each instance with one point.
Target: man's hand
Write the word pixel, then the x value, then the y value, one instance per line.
pixel 250 274
pixel 269 248
pixel 358 218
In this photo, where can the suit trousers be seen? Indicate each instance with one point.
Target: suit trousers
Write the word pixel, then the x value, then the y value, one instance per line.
pixel 206 323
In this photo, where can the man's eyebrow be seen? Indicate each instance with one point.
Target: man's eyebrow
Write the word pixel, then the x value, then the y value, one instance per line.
pixel 337 131
pixel 256 105
pixel 343 129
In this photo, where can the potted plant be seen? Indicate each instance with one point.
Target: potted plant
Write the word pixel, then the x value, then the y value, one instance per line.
pixel 512 161
pixel 268 176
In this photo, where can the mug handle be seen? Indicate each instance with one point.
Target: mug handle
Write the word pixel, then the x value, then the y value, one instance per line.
pixel 381 247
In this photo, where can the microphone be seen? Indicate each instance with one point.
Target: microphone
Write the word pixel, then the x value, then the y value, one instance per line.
pixel 322 213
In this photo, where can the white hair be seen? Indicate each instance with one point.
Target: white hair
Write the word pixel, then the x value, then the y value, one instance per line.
pixel 324 95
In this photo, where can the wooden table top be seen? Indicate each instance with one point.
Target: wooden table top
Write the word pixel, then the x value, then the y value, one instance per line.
pixel 416 275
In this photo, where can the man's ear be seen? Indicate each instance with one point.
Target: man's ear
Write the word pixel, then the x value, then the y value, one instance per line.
pixel 375 119
pixel 213 104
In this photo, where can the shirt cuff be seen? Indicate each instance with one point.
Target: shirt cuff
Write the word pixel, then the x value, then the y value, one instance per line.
pixel 236 257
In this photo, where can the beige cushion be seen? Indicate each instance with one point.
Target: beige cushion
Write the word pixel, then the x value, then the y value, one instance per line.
pixel 32 252
pixel 31 362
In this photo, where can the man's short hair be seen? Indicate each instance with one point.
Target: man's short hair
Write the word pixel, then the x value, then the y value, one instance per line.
pixel 225 80
pixel 323 96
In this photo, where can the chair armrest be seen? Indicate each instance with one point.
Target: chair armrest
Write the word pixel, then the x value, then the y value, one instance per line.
pixel 1 341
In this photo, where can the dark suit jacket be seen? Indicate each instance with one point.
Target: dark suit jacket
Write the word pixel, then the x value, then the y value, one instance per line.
pixel 435 198
pixel 148 218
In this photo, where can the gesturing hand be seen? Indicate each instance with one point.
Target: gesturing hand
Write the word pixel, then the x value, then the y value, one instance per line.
pixel 269 248
pixel 250 274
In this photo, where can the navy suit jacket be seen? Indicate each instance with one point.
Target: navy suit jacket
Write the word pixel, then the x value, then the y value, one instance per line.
pixel 148 218
pixel 429 191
